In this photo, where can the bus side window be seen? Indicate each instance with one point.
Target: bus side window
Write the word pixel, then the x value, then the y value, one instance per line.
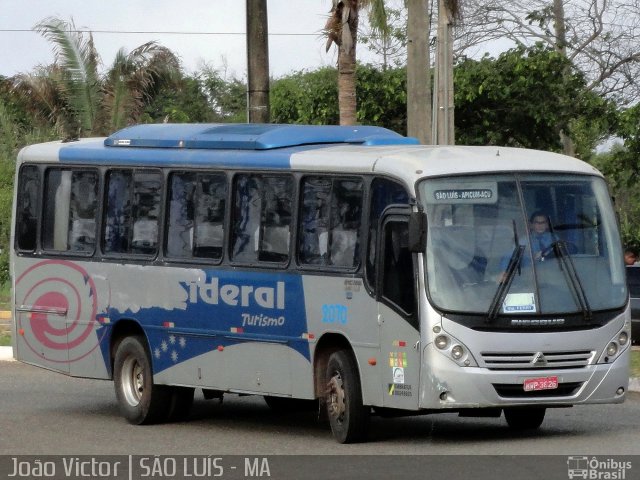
pixel 314 227
pixel 330 223
pixel 276 219
pixel 132 211
pixel 69 222
pixel 181 210
pixel 196 215
pixel 210 206
pixel 346 214
pixel 118 212
pixel 27 208
pixel 384 192
pixel 262 218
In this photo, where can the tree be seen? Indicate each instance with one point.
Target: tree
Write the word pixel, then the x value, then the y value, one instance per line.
pixel 14 133
pixel 524 98
pixel 134 79
pixel 342 29
pixel 306 97
pixel 73 96
pixel 182 102
pixel 599 37
pixel 621 167
pixel 226 94
pixel 311 97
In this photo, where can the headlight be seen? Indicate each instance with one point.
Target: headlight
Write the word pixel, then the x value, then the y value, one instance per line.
pixel 623 338
pixel 442 342
pixel 457 352
pixel 454 349
pixel 612 349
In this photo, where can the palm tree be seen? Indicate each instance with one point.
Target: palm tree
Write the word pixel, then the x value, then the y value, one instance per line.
pixel 133 79
pixel 342 29
pixel 73 96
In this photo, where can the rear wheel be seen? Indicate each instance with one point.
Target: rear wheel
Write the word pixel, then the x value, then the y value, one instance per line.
pixel 140 401
pixel 348 418
pixel 524 418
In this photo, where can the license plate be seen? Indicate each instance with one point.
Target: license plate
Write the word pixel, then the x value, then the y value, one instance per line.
pixel 543 383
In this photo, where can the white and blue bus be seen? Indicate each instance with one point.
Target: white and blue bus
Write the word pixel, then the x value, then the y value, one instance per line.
pixel 348 266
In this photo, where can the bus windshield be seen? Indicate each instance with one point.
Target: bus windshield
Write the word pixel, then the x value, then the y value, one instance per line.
pixel 522 244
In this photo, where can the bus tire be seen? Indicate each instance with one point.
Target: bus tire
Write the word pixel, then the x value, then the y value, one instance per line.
pixel 140 401
pixel 348 418
pixel 181 403
pixel 524 418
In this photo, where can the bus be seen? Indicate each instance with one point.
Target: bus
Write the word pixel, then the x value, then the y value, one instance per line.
pixel 347 267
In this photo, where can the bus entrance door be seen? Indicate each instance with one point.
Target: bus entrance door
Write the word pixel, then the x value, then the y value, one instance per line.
pixel 397 314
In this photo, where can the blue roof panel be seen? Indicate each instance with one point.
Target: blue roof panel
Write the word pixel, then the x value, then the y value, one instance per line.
pixel 249 136
pixel 97 153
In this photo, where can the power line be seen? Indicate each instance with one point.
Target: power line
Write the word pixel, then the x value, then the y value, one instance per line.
pixel 158 32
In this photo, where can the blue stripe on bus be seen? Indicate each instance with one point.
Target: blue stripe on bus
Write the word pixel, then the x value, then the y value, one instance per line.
pixel 146 157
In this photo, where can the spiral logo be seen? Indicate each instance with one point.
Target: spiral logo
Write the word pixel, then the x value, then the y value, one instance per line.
pixel 62 301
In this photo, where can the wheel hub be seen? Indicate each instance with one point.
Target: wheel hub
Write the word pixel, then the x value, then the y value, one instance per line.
pixel 132 381
pixel 337 406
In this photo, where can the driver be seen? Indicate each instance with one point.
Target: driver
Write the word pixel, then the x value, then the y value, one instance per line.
pixel 541 238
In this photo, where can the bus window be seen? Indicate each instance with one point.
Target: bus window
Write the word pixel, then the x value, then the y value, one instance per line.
pixel 398 279
pixel 384 192
pixel 196 215
pixel 133 206
pixel 27 208
pixel 330 226
pixel 70 209
pixel 262 218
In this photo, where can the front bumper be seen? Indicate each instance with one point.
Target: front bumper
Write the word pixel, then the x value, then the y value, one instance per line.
pixel 446 385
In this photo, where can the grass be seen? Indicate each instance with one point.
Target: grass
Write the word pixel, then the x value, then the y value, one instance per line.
pixel 5 296
pixel 5 339
pixel 635 363
pixel 5 304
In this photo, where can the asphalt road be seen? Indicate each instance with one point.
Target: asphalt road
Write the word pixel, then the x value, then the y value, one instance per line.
pixel 43 412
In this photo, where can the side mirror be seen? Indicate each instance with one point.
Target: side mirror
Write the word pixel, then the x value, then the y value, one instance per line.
pixel 417 232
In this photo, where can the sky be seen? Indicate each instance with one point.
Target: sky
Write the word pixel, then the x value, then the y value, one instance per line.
pixel 224 47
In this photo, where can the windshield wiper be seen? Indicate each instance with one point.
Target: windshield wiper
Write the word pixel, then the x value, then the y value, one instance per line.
pixel 562 252
pixel 507 278
pixel 573 279
pixel 505 283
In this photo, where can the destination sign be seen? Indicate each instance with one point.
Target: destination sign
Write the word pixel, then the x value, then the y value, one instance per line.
pixel 463 194
pixel 450 191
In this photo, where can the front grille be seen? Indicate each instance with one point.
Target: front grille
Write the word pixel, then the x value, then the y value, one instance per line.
pixel 510 390
pixel 537 360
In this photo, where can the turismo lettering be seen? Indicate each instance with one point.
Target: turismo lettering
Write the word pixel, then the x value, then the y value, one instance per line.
pixel 261 320
pixel 236 295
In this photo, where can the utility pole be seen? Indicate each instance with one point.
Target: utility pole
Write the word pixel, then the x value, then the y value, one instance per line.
pixel 257 62
pixel 560 28
pixel 418 75
pixel 443 130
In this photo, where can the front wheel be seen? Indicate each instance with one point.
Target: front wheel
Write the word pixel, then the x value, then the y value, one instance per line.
pixel 140 401
pixel 348 418
pixel 524 418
